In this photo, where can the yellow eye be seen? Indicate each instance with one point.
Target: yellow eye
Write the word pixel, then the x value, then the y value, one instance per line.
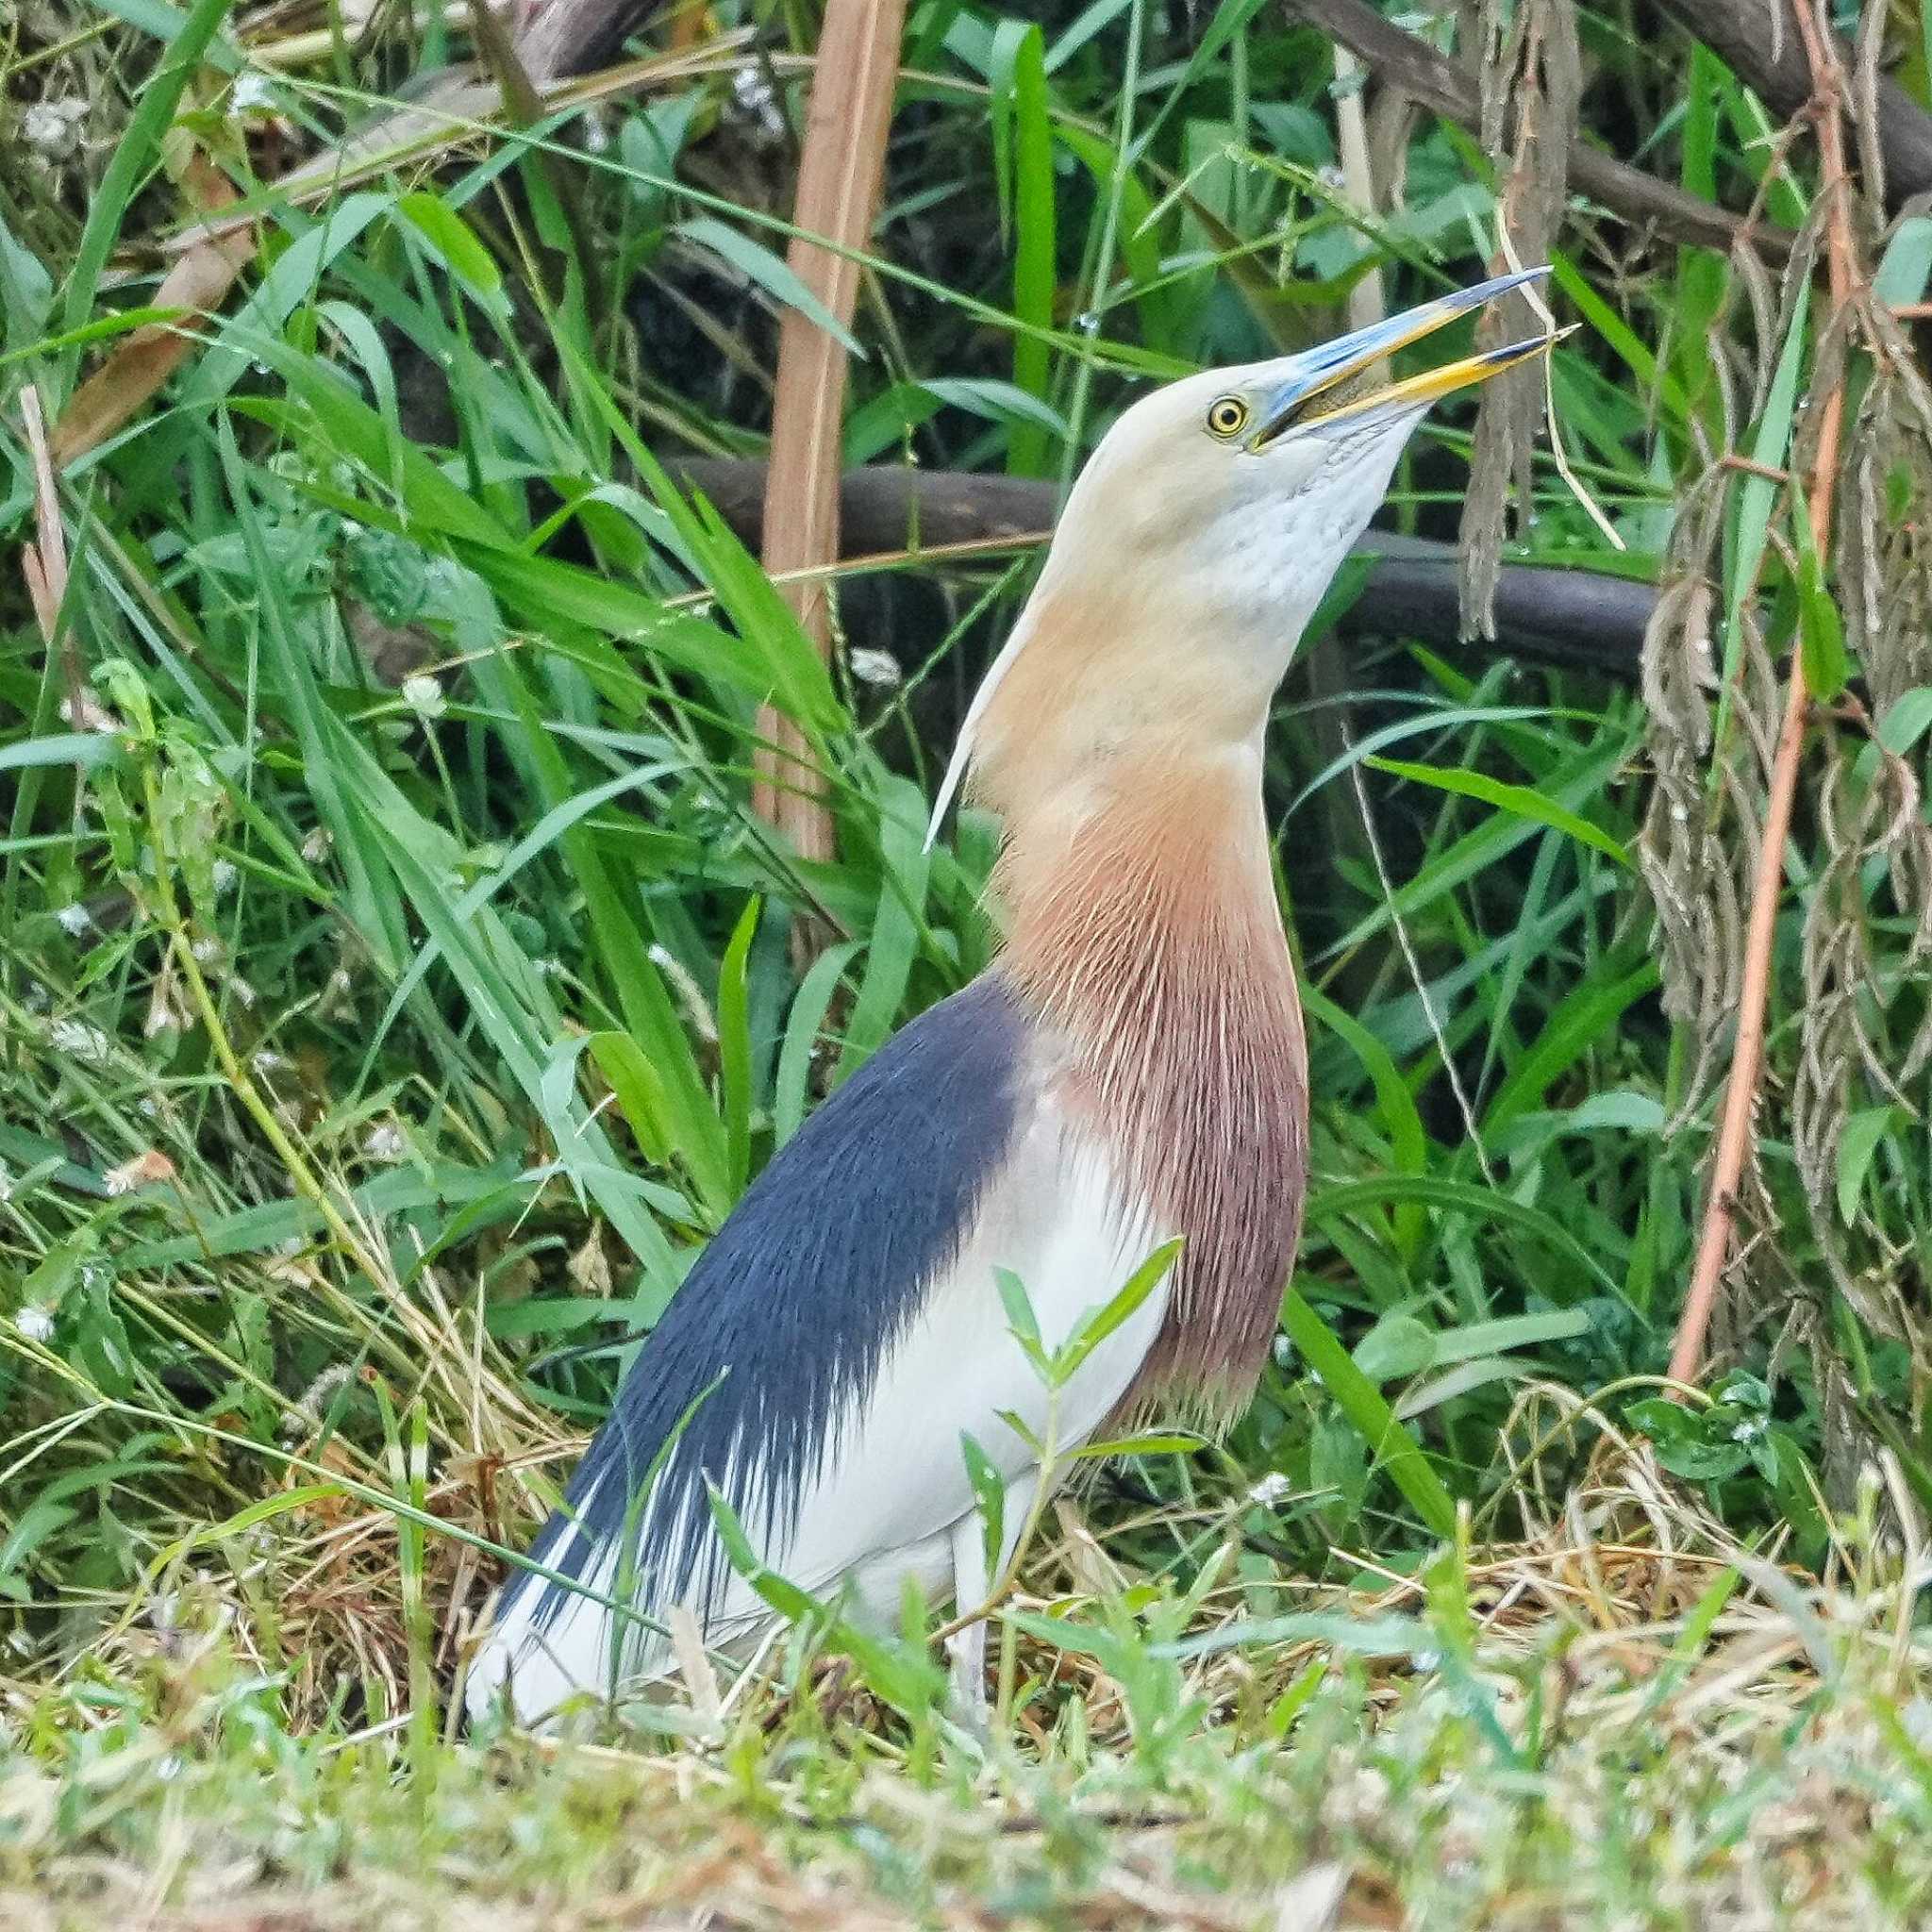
pixel 1227 416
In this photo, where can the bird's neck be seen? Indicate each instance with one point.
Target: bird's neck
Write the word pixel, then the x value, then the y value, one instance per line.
pixel 1142 928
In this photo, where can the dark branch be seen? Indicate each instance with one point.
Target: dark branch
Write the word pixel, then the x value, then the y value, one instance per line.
pixel 1759 41
pixel 1553 616
pixel 1402 60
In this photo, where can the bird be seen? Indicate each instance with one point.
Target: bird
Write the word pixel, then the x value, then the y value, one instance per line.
pixel 1129 1070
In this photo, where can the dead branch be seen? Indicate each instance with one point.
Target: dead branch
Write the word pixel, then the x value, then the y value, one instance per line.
pixel 1401 59
pixel 1764 44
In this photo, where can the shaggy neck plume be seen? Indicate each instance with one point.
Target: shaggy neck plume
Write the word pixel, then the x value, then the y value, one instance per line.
pixel 1142 927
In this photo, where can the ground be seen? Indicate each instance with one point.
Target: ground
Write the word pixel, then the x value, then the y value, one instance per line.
pixel 1621 1727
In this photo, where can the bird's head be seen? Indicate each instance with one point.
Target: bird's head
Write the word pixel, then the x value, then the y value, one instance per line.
pixel 1202 534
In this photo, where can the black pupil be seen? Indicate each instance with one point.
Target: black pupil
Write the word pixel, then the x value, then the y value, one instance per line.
pixel 1228 415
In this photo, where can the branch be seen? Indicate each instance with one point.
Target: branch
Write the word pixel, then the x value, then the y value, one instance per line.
pixel 1403 60
pixel 1577 618
pixel 1764 42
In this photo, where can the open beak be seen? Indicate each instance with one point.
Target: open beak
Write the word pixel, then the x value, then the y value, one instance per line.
pixel 1297 405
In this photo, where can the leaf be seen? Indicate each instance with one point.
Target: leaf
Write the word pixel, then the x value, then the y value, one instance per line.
pixel 734 1047
pixel 1864 1134
pixel 1093 1328
pixel 1581 1019
pixel 1020 50
pixel 1361 1402
pixel 902 1677
pixel 1820 631
pixel 1519 799
pixel 1907 720
pixel 1906 262
pixel 988 1488
pixel 1401 1121
pixel 1349 1197
pixel 1395 1347
pixel 1020 1316
pixel 114 191
pixel 770 272
pixel 455 242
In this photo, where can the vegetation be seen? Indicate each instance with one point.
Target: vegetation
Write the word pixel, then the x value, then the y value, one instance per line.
pixel 397 983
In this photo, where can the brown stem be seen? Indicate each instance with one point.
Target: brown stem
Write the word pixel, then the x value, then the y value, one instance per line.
pixel 1740 1093
pixel 840 173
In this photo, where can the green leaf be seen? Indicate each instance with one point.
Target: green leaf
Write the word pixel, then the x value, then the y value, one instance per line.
pixel 1390 1443
pixel 1519 799
pixel 115 189
pixel 1395 1347
pixel 1035 275
pixel 1019 1306
pixel 1583 1018
pixel 988 1488
pixel 770 272
pixel 1864 1134
pixel 734 1047
pixel 903 1677
pixel 1093 1328
pixel 1820 631
pixel 1401 1121
pixel 452 237
pixel 1907 720
pixel 1340 1200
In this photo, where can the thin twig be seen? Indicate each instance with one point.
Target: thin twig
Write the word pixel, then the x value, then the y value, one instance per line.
pixel 1740 1093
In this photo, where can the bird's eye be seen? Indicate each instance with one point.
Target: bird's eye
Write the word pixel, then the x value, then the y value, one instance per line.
pixel 1227 416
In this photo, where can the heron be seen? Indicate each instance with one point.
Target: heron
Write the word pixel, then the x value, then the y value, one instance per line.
pixel 1129 1070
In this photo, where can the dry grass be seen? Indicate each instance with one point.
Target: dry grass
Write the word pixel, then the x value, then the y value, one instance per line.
pixel 1619 1720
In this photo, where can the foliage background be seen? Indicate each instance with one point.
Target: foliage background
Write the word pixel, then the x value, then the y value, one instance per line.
pixel 396 986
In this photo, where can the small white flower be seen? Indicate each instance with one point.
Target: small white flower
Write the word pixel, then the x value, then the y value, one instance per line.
pixel 162 1015
pixel 34 1322
pixel 225 877
pixel 755 95
pixel 315 847
pixel 878 668
pixel 54 126
pixel 75 919
pixel 423 696
pixel 385 1141
pixel 89 713
pixel 1270 1489
pixel 81 1041
pixel 205 951
pixel 267 1063
pixel 251 91
pixel 240 987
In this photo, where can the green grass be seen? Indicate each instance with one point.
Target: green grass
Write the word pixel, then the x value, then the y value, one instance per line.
pixel 1587 1734
pixel 396 989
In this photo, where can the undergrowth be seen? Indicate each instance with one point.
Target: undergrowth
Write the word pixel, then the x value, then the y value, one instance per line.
pixel 396 989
